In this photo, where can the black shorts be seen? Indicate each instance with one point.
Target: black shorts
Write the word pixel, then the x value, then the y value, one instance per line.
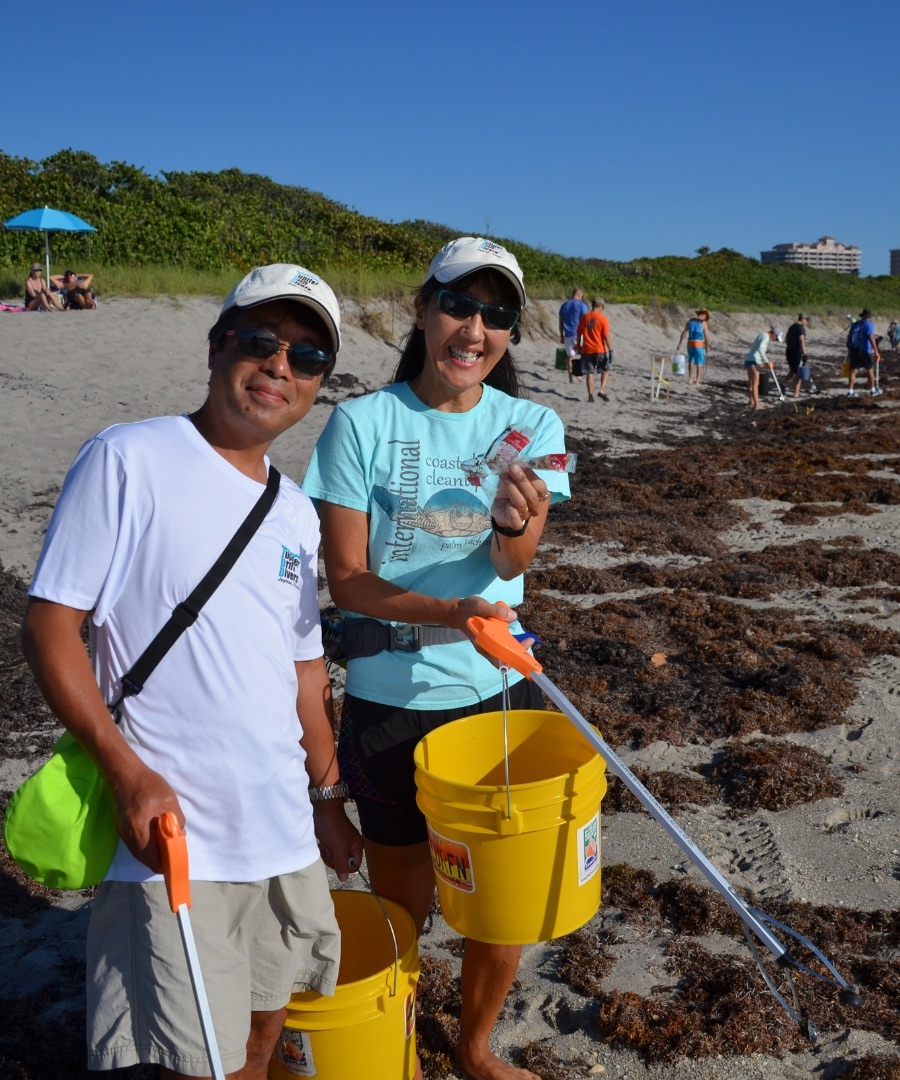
pixel 794 363
pixel 375 751
pixel 860 359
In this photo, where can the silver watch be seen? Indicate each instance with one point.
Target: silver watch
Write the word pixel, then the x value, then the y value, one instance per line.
pixel 330 791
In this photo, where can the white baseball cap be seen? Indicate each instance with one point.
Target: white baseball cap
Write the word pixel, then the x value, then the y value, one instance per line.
pixel 284 281
pixel 779 336
pixel 471 253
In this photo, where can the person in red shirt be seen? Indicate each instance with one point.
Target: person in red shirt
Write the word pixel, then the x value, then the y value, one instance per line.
pixel 596 348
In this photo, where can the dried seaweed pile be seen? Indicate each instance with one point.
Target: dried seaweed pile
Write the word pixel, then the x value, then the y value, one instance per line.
pixel 717 1003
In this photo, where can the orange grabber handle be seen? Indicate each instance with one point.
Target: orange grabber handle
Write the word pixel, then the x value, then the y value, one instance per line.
pixel 173 854
pixel 493 636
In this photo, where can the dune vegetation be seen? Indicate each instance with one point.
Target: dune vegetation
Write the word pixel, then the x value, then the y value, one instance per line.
pixel 189 232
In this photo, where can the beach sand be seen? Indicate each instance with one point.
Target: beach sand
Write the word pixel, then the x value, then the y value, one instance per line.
pixel 755 555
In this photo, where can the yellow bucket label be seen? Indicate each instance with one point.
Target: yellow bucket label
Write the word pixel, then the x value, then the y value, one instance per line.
pixel 589 850
pixel 452 862
pixel 295 1052
pixel 409 1007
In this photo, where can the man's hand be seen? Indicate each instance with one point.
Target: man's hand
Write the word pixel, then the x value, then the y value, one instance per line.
pixel 340 844
pixel 142 797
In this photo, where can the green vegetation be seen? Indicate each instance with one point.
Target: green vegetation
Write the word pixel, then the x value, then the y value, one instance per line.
pixel 184 233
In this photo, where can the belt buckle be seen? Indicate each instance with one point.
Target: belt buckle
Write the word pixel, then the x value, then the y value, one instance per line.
pixel 406 637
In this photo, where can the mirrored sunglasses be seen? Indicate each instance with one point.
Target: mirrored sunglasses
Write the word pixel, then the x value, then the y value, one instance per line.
pixel 460 306
pixel 262 344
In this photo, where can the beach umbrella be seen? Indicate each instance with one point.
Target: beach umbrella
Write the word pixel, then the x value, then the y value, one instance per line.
pixel 47 220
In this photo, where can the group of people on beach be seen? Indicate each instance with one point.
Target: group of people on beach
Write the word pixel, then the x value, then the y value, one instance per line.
pixel 863 353
pixel 585 334
pixel 234 731
pixel 66 291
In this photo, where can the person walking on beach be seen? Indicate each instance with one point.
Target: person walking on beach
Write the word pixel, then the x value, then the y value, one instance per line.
pixel 233 731
pixel 696 330
pixel 863 353
pixel 596 348
pixel 894 335
pixel 569 315
pixel 38 294
pixel 795 353
pixel 756 360
pixel 413 546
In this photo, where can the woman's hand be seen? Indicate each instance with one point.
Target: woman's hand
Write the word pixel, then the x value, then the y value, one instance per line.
pixel 520 496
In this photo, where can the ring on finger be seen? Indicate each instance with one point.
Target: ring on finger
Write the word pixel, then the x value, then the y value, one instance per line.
pixel 545 496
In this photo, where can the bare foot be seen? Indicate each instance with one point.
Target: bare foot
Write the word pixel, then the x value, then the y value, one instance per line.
pixel 487 1066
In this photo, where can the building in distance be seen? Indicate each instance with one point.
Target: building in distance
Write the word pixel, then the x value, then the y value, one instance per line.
pixel 895 262
pixel 825 254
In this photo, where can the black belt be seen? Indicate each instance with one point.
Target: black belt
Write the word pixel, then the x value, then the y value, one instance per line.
pixel 368 637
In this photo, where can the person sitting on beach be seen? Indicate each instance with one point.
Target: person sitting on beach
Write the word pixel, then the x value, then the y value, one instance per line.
pixel 38 295
pixel 407 544
pixel 695 330
pixel 76 290
pixel 233 733
pixel 756 360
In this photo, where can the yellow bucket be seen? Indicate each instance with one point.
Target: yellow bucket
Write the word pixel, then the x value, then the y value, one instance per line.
pixel 521 864
pixel 368 1027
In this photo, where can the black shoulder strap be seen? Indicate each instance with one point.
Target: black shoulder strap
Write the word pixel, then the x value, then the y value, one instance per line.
pixel 185 614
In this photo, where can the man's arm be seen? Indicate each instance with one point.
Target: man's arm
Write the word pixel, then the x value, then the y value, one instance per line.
pixel 562 336
pixel 339 842
pixel 51 642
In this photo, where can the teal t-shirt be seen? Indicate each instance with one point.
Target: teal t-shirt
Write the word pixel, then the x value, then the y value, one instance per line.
pixel 393 458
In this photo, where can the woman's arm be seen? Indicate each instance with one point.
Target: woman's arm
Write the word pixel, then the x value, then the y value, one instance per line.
pixel 354 587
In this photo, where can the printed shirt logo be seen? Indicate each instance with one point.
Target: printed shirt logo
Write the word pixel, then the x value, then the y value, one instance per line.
pixel 454 513
pixel 289 570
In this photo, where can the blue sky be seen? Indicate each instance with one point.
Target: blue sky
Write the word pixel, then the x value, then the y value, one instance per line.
pixel 609 130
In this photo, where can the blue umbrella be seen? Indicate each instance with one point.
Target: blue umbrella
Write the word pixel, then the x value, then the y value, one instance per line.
pixel 47 220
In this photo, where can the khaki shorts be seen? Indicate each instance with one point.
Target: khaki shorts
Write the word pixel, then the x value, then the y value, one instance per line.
pixel 258 942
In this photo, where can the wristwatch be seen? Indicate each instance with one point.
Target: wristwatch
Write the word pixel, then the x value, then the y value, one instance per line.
pixel 330 791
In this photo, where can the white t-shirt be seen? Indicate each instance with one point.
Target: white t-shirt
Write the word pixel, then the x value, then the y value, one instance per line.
pixel 144 512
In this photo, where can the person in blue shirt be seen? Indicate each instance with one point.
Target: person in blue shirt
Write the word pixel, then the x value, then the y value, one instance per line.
pixel 695 330
pixel 863 357
pixel 569 317
pixel 414 544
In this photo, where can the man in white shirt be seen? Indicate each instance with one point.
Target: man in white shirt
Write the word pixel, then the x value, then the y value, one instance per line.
pixel 233 731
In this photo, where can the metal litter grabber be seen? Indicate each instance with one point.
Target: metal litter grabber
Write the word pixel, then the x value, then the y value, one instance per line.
pixel 174 855
pixel 492 636
pixel 778 389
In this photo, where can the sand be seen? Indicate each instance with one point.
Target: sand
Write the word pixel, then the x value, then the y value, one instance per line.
pixel 65 376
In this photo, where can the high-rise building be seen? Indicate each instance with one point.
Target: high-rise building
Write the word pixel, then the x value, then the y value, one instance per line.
pixel 895 261
pixel 825 254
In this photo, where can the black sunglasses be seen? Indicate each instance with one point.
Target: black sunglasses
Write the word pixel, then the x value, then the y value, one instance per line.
pixel 262 344
pixel 460 306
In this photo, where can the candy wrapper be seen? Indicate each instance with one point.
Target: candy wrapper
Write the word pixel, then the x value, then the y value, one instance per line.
pixel 509 448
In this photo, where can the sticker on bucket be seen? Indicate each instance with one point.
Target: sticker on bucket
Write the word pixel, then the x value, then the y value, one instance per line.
pixel 295 1052
pixel 452 862
pixel 589 850
pixel 409 1007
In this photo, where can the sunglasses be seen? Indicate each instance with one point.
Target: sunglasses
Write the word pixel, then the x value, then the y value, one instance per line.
pixel 460 306
pixel 262 344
